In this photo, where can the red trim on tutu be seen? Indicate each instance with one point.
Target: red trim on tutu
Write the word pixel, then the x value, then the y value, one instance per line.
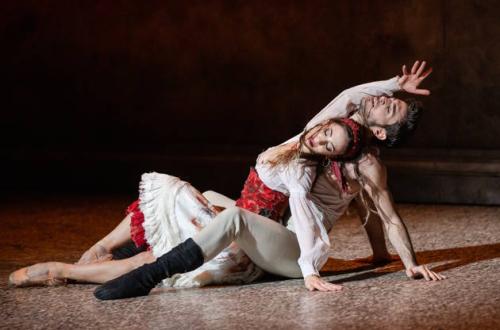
pixel 259 198
pixel 136 224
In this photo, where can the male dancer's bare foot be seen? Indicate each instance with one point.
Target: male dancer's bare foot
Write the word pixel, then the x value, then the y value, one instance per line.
pixel 47 273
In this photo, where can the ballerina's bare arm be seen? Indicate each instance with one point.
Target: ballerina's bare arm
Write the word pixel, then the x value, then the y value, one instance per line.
pixel 375 183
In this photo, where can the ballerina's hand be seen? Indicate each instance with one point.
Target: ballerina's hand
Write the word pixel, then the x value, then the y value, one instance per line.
pixel 314 282
pixel 410 81
pixel 96 253
pixel 204 201
pixel 425 272
pixel 217 209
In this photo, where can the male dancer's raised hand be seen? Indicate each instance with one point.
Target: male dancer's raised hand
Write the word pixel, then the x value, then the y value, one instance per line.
pixel 410 81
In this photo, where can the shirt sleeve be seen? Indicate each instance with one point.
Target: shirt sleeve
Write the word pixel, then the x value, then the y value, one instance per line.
pixel 348 101
pixel 376 88
pixel 308 221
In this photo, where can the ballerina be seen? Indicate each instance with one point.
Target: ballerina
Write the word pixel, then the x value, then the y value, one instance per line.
pixel 170 211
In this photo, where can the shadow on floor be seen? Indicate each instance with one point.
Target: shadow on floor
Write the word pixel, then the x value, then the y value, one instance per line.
pixel 455 257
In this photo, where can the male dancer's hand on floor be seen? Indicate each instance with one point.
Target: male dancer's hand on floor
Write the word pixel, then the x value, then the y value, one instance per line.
pixel 410 81
pixel 423 271
pixel 314 282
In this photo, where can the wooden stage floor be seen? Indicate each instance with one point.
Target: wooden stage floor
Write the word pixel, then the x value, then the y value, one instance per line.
pixel 461 241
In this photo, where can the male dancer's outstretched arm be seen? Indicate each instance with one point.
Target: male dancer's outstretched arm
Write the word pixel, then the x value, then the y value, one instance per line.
pixel 348 101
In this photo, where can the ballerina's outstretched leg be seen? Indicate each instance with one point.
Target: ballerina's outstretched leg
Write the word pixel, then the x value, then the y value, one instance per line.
pixel 56 273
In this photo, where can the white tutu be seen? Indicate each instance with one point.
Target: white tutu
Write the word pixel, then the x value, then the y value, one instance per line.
pixel 175 211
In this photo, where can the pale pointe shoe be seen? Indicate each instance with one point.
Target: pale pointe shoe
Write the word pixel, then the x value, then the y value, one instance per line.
pixel 37 275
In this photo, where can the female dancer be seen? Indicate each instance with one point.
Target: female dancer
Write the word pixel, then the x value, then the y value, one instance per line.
pixel 170 211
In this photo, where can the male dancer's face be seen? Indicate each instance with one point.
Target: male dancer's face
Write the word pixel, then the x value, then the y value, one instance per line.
pixel 383 111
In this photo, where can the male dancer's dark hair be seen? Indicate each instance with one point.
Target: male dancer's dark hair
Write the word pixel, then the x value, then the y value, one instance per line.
pixel 398 132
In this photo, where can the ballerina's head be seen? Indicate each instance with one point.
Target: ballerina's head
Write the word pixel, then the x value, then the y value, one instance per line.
pixel 330 140
pixel 334 139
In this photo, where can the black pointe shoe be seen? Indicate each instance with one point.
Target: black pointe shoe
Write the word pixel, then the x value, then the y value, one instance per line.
pixel 183 258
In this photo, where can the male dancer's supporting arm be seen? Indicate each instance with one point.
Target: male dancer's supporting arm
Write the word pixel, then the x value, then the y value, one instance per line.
pixel 373 227
pixel 374 176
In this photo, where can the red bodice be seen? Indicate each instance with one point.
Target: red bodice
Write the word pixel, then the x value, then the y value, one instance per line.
pixel 259 198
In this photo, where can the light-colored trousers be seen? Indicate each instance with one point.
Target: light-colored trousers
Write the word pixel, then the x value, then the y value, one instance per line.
pixel 270 245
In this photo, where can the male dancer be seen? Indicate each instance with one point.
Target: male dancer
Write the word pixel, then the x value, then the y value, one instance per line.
pixel 390 119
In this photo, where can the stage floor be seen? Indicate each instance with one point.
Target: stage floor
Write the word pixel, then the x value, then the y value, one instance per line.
pixel 461 241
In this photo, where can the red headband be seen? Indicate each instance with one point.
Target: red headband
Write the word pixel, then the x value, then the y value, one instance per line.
pixel 357 139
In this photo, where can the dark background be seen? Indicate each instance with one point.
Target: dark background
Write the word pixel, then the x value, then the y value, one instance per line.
pixel 96 92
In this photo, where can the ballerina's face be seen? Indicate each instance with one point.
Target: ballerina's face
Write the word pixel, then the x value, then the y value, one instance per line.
pixel 328 140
